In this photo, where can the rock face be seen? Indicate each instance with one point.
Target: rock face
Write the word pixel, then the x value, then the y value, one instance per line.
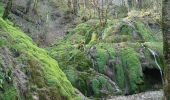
pixel 111 60
pixel 27 71
pixel 43 20
pixel 151 95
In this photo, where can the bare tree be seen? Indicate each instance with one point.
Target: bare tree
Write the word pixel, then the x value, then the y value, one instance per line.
pixel 101 7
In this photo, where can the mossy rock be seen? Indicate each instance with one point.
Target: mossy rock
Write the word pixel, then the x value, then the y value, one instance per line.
pixel 42 71
pixel 112 53
pixel 132 65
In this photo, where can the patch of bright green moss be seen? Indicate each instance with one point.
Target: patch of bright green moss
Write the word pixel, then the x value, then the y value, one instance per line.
pixel 117 41
pixel 2 42
pixel 120 77
pixel 101 86
pixel 132 64
pixel 156 46
pixel 126 30
pixel 144 31
pixel 53 75
pixel 81 29
pixel 9 94
pixel 93 37
pixel 102 57
pixel 107 32
pixel 96 87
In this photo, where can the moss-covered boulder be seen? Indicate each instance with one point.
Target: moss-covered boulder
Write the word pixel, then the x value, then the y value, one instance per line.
pixel 110 60
pixel 27 72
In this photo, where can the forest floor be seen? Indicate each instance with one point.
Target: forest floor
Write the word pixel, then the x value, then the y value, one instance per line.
pixel 150 95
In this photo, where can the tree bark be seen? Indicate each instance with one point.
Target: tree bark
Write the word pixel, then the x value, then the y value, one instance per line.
pixel 7 9
pixel 75 6
pixel 166 39
pixel 129 4
pixel 139 4
pixel 69 4
pixel 28 6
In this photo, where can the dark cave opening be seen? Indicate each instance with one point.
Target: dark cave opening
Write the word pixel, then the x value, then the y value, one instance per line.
pixel 152 78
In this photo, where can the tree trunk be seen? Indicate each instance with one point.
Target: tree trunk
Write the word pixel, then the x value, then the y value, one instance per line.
pixel 166 37
pixel 28 6
pixel 84 2
pixel 69 4
pixel 7 9
pixel 139 4
pixel 75 6
pixel 129 4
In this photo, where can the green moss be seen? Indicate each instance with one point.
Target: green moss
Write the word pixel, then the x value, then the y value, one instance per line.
pixel 79 75
pixel 72 76
pixel 131 63
pixel 158 46
pixel 7 89
pixel 96 87
pixel 119 41
pixel 120 77
pixel 1 78
pixel 101 86
pixel 101 57
pixel 52 74
pixel 107 32
pixel 10 94
pixel 70 57
pixel 126 30
pixel 144 31
pixel 76 39
pixel 73 62
pixel 122 38
pixel 93 37
pixel 2 42
pixel 90 32
pixel 81 29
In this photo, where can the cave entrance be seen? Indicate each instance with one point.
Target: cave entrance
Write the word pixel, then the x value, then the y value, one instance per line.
pixel 152 78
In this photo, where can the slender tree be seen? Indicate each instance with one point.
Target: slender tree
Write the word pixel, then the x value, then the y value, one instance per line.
pixel 129 4
pixel 7 9
pixel 28 6
pixel 166 37
pixel 69 4
pixel 75 6
pixel 139 4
